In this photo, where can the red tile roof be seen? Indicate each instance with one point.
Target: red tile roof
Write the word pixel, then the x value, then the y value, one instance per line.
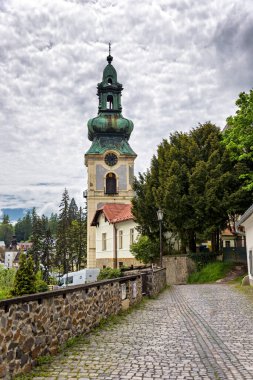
pixel 227 232
pixel 114 212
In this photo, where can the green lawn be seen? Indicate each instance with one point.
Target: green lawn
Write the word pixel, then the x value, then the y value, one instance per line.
pixel 210 273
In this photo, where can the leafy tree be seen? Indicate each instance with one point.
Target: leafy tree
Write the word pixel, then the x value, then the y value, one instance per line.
pixel 238 136
pixel 144 188
pixel 145 250
pixel 25 280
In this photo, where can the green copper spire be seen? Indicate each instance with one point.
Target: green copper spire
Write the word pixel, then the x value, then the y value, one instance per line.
pixel 110 130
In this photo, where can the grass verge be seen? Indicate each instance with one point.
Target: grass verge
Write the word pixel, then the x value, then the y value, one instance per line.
pixel 210 273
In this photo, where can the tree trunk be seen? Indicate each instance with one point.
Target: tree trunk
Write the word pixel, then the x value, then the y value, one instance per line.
pixel 192 241
pixel 215 241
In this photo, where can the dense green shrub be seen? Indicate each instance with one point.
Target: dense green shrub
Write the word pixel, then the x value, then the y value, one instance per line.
pixel 41 285
pixel 108 273
pixel 145 250
pixel 7 277
pixel 210 273
pixel 203 258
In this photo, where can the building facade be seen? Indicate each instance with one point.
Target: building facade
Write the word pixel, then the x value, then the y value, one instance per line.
pixel 115 232
pixel 246 221
pixel 110 159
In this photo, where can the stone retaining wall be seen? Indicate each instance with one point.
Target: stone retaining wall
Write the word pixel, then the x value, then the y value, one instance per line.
pixel 155 281
pixel 178 268
pixel 38 324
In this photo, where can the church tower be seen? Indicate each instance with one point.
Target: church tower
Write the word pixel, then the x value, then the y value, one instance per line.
pixel 110 159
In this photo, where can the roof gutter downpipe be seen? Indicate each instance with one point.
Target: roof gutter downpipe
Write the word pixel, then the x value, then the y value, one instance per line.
pixel 115 247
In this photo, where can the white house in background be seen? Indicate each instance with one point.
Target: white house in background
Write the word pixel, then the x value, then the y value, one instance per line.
pixel 246 221
pixel 115 232
pixel 232 239
pixel 9 258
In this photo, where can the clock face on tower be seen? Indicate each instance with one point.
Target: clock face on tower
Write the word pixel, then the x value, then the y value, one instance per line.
pixel 111 159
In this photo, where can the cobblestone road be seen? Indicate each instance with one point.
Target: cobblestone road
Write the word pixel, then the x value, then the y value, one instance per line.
pixel 195 332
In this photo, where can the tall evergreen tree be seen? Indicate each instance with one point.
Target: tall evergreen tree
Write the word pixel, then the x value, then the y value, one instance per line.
pixel 6 231
pixel 73 211
pixel 38 228
pixel 47 255
pixel 78 241
pixel 53 223
pixel 62 242
pixel 23 228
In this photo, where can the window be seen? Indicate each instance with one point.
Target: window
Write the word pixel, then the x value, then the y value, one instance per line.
pixel 110 81
pixel 131 235
pixel 111 184
pixel 120 239
pixel 69 280
pixel 227 242
pixel 109 105
pixel 103 241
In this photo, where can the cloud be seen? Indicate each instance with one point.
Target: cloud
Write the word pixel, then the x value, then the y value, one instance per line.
pixel 180 63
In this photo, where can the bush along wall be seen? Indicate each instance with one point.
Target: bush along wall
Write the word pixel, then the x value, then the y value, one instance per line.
pixel 202 259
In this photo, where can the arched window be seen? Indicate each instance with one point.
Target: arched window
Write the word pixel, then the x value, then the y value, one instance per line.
pixel 110 81
pixel 109 102
pixel 111 184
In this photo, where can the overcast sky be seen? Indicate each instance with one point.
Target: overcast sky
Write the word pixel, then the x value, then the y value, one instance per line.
pixel 181 62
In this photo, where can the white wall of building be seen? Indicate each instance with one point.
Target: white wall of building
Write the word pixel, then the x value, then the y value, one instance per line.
pixel 8 259
pixel 125 227
pixel 108 229
pixel 229 239
pixel 248 224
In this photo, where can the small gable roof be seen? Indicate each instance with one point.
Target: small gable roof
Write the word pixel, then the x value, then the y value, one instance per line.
pixel 114 212
pixel 227 232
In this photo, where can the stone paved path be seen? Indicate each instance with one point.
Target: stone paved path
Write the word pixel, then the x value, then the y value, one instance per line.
pixel 198 332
